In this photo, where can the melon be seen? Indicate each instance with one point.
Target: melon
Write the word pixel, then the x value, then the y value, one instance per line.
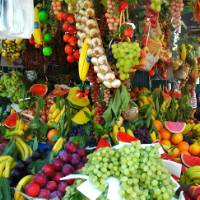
pixel 81 118
pixel 125 137
pixel 175 127
pixel 58 93
pixel 39 89
pixel 74 99
pixel 190 161
pixel 103 142
pixel 11 120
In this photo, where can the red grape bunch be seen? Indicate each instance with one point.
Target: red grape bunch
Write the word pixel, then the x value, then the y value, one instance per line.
pixel 176 9
pixel 111 17
pixel 99 110
pixel 95 85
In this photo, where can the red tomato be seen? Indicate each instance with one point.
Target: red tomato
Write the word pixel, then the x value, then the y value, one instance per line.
pixel 76 54
pixel 72 41
pixel 70 19
pixel 71 29
pixel 66 37
pixel 68 49
pixel 65 27
pixel 71 59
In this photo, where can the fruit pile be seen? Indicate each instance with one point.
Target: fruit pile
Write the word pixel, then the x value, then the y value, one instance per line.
pixel 177 143
pixel 140 171
pixel 47 184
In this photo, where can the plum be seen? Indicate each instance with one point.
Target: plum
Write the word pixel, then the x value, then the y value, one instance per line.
pixel 75 159
pixel 51 185
pixel 70 147
pixel 49 170
pixel 62 187
pixel 67 169
pixel 44 193
pixel 57 163
pixel 58 176
pixel 64 156
pixel 41 179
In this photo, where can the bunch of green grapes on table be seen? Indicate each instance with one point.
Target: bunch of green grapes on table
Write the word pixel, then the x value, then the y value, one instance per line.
pixel 127 55
pixel 13 87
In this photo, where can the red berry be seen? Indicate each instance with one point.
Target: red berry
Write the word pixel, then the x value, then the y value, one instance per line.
pixel 66 37
pixel 32 189
pixel 164 75
pixel 152 72
pixel 71 29
pixel 71 59
pixel 68 49
pixel 72 41
pixel 76 54
pixel 65 27
pixel 70 19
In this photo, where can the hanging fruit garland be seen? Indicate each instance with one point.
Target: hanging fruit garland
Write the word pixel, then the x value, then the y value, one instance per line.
pixel 38 39
pixel 87 27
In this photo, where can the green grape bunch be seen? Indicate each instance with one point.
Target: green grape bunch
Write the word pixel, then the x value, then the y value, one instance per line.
pixel 13 87
pixel 127 55
pixel 140 171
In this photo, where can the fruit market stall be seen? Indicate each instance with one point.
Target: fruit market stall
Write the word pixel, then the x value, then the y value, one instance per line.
pixel 98 100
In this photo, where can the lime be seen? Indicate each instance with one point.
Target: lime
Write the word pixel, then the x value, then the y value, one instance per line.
pixel 43 16
pixel 47 51
pixel 47 37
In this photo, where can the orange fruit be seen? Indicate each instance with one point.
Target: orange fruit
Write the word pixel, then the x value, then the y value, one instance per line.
pixel 186 152
pixel 158 125
pixel 166 142
pixel 51 134
pixel 177 138
pixel 175 152
pixel 183 146
pixel 165 134
pixel 194 149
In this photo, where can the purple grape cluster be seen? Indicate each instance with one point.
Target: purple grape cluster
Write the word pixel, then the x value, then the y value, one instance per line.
pixel 143 135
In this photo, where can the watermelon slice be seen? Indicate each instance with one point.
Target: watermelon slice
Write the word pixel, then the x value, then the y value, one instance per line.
pixel 102 143
pixel 125 137
pixel 190 161
pixel 58 93
pixel 175 127
pixel 39 89
pixel 11 120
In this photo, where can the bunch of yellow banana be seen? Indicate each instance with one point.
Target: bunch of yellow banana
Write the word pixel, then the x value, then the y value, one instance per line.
pixel 58 145
pixel 7 163
pixel 21 184
pixel 24 149
pixel 83 65
pixel 54 114
pixel 191 176
pixel 145 100
pixel 183 52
